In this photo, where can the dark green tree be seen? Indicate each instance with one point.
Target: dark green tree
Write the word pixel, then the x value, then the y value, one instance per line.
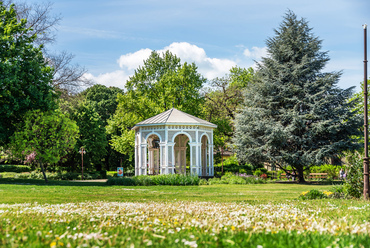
pixel 44 137
pixel 92 136
pixel 295 114
pixel 104 100
pixel 161 84
pixel 25 77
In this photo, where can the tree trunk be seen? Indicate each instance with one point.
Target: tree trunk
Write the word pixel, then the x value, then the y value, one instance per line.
pixel 43 172
pixel 222 160
pixel 300 176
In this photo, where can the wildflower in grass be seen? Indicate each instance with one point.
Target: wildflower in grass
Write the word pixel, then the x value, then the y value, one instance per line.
pixel 327 193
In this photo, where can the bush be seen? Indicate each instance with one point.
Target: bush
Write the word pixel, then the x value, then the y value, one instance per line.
pixel 332 170
pixel 232 165
pixel 230 178
pixel 313 194
pixel 259 172
pixel 63 175
pixel 144 180
pixel 14 168
pixel 354 184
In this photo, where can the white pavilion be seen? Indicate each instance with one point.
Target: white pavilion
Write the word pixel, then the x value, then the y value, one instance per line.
pixel 174 142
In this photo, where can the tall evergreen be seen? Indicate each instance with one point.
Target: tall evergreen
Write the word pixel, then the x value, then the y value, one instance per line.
pixel 295 114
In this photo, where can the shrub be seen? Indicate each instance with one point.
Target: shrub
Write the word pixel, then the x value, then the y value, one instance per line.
pixel 62 175
pixel 259 172
pixel 236 179
pixel 332 170
pixel 354 184
pixel 14 168
pixel 312 194
pixel 232 165
pixel 144 180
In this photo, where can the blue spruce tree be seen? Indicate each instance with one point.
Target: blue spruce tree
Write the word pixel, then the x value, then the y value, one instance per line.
pixel 295 114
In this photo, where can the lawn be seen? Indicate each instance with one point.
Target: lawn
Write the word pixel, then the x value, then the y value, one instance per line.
pixel 71 214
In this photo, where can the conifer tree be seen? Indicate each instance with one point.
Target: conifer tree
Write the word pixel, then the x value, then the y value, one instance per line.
pixel 295 114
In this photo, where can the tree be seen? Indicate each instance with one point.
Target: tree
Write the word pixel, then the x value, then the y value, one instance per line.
pixel 45 136
pixel 41 23
pixel 295 114
pixel 222 101
pixel 92 135
pixel 104 99
pixel 25 77
pixel 162 83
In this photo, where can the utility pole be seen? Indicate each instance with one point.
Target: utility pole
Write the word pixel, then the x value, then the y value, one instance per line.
pixel 366 158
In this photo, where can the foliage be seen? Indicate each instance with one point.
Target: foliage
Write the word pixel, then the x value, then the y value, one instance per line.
pixel 162 83
pixel 92 136
pixel 143 180
pixel 354 184
pixel 230 178
pixel 294 114
pixel 25 82
pixel 231 164
pixel 313 194
pixel 50 135
pixel 14 168
pixel 42 24
pixel 259 172
pixel 222 99
pixel 332 170
pixel 104 100
pixel 61 175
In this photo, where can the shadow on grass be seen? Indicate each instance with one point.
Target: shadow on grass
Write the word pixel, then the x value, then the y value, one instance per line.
pixel 322 182
pixel 41 182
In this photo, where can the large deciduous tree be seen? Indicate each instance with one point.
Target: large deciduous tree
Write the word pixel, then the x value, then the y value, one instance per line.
pixel 162 83
pixel 92 134
pixel 104 100
pixel 42 23
pixel 222 100
pixel 25 77
pixel 295 114
pixel 46 136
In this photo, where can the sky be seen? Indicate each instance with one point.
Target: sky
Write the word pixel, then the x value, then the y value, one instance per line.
pixel 111 38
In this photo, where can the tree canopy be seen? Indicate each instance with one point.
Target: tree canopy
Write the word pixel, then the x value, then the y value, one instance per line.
pixel 295 114
pixel 47 136
pixel 162 83
pixel 25 77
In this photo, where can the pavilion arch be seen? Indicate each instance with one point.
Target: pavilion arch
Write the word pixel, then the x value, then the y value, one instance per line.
pixel 175 132
pixel 181 132
pixel 206 151
pixel 155 133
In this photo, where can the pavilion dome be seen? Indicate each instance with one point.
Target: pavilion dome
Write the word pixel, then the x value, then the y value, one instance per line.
pixel 174 117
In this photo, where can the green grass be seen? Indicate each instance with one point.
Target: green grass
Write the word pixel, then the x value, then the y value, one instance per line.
pixel 62 213
pixel 29 191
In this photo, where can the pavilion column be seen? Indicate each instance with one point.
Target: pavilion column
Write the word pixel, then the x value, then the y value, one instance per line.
pixel 136 155
pixel 210 161
pixel 193 161
pixel 143 159
pixel 171 158
pixel 199 159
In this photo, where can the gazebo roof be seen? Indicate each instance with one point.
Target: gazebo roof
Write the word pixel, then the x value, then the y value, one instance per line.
pixel 174 117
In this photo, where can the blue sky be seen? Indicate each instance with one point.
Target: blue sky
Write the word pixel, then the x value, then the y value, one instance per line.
pixel 112 37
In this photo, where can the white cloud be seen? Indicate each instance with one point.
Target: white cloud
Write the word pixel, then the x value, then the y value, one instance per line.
pixel 131 61
pixel 256 52
pixel 207 66
pixel 116 78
